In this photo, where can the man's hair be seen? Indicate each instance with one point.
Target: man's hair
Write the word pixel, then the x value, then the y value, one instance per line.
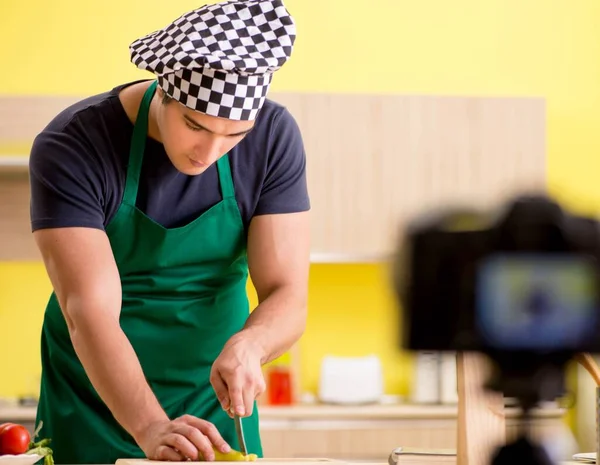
pixel 166 98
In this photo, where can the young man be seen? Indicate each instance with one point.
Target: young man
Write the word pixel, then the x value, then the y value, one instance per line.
pixel 150 203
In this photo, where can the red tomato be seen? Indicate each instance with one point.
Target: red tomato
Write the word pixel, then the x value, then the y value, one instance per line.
pixel 14 439
pixel 4 425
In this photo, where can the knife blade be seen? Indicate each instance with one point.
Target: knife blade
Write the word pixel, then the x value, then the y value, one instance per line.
pixel 239 429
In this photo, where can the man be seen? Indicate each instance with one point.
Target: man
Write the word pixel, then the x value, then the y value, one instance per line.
pixel 150 204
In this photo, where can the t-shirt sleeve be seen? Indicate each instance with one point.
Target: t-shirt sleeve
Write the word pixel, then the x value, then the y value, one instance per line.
pixel 285 188
pixel 66 183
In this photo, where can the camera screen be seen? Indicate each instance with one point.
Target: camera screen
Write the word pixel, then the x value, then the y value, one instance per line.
pixel 536 302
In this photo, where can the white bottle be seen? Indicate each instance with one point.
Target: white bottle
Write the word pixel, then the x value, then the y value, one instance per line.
pixel 426 383
pixel 448 381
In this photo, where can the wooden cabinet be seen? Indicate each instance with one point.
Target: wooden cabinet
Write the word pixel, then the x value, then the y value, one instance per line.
pixel 367 433
pixel 15 231
pixel 370 434
pixel 23 415
pixel 356 440
pixel 373 161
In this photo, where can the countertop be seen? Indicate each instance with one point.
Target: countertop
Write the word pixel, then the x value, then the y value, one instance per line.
pixel 329 412
pixel 408 460
pixel 381 411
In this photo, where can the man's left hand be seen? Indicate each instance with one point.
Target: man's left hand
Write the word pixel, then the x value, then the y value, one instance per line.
pixel 237 376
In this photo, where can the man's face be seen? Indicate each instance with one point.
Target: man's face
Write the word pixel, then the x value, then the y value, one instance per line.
pixel 194 141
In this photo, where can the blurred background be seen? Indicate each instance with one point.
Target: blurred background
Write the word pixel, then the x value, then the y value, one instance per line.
pixel 402 105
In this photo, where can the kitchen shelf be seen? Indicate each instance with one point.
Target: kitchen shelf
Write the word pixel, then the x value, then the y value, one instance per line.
pixel 17 413
pixel 402 411
pixel 11 162
pixel 338 412
pixel 334 258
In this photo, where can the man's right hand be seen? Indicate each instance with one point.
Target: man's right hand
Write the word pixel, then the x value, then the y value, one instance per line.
pixel 186 437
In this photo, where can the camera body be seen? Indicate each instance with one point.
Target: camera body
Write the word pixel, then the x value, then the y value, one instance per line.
pixel 520 284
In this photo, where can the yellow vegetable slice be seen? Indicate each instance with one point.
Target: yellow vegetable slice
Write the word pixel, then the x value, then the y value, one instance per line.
pixel 234 456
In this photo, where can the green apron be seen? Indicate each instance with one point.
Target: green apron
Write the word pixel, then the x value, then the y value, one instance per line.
pixel 184 296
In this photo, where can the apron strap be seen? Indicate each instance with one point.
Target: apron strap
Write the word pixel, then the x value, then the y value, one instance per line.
pixel 225 178
pixel 136 155
pixel 138 144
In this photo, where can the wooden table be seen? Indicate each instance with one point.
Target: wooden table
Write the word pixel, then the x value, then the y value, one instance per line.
pixel 410 460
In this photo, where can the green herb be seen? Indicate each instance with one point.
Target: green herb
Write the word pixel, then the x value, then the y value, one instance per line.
pixel 45 452
pixel 41 447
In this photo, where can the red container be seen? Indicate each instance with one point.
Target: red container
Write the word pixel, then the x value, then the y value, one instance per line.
pixel 279 386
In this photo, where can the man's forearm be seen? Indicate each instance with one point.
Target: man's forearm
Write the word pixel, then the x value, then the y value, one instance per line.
pixel 278 322
pixel 114 370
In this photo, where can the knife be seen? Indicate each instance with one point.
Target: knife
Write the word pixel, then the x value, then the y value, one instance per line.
pixel 239 429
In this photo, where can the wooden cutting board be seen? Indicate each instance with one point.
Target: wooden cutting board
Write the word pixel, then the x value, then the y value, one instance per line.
pixel 272 461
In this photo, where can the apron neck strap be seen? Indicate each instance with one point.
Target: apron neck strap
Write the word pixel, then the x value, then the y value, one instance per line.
pixel 136 155
pixel 138 144
pixel 225 178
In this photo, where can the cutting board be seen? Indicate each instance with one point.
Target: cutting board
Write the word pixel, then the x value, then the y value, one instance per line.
pixel 307 461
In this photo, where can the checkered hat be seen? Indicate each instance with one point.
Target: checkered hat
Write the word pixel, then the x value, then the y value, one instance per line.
pixel 219 59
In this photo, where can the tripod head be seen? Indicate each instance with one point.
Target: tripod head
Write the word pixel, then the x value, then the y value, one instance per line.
pixel 519 284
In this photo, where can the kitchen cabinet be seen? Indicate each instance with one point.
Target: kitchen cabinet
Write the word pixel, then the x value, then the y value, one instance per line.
pixel 368 440
pixel 373 161
pixel 357 433
pixel 22 415
pixel 371 433
pixel 15 233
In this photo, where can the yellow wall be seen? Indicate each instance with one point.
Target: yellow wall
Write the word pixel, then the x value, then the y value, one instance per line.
pixel 339 295
pixel 492 47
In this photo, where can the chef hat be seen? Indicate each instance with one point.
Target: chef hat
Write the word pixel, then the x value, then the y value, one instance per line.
pixel 220 58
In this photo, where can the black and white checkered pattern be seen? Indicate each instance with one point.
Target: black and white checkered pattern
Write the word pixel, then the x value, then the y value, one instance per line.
pixel 220 59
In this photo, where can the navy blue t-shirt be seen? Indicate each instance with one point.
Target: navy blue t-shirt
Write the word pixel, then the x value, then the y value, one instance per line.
pixel 79 161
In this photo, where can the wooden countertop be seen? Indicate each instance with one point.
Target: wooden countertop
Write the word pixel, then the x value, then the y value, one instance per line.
pixel 332 412
pixel 381 412
pixel 17 413
pixel 407 461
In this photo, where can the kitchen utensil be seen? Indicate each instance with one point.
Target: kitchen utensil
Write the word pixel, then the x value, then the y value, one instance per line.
pixel 239 429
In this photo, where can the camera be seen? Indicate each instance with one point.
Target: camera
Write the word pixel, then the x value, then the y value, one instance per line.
pixel 519 283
